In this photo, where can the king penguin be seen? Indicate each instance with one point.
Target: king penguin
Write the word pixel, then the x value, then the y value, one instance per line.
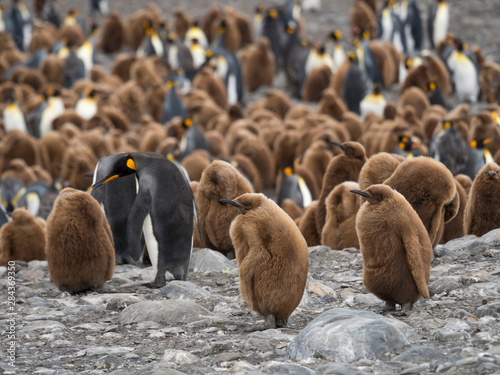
pixel 437 23
pixel 19 25
pixel 355 85
pixel 162 211
pixel 74 68
pixel 293 187
pixel 408 13
pixel 13 116
pixel 192 139
pixel 373 102
pixel 49 109
pixel 173 105
pixel 194 32
pixel 391 27
pixel 449 146
pixel 337 49
pixel 86 106
pixel 465 72
pixel 151 44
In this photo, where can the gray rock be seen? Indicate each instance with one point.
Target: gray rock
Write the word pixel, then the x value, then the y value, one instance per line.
pixel 490 309
pixel 42 325
pixel 39 302
pixel 206 260
pixel 3 270
pixel 179 357
pixel 164 312
pixel 109 362
pixel 101 350
pixel 163 369
pixel 420 354
pixel 279 368
pixel 338 369
pixel 454 330
pixel 344 335
pixel 463 247
pixel 492 238
pixel 39 264
pixel 177 289
pixel 103 299
pixel 443 284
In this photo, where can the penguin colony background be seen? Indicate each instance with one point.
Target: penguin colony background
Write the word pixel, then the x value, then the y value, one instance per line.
pixel 174 124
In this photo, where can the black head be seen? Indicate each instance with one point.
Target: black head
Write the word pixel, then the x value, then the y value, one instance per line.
pixel 481 142
pixel 112 167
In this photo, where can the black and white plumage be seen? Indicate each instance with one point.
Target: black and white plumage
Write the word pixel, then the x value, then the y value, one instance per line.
pixel 438 21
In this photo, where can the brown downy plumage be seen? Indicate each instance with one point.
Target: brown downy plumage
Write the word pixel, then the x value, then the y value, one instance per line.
pixel 416 77
pixel 438 72
pixel 207 81
pixel 22 238
pixel 363 18
pixel 17 144
pixel 73 33
pixel 196 163
pixel 465 181
pixel 55 145
pixel 134 25
pixel 68 116
pixel 80 249
pixel 430 189
pixel 316 82
pixel 353 123
pixel 395 246
pixel 331 104
pixel 112 34
pixel 220 180
pixel 385 62
pixel 18 168
pixel 249 170
pixel 182 20
pixel 455 227
pixel 307 225
pixel 343 167
pixel 51 68
pixel 481 211
pixel 272 258
pixel 377 169
pixel 129 98
pixel 292 209
pixel 339 231
pixel 316 159
pixel 487 75
pixel 260 154
pixel 415 98
pixel 78 160
pixel 122 64
pixel 257 65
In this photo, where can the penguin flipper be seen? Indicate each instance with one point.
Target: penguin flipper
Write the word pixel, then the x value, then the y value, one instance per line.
pixel 415 263
pixel 451 209
pixel 140 209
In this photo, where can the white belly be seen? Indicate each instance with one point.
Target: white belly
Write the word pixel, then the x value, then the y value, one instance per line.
pixel 440 23
pixel 151 242
pixel 13 119
pixel 466 81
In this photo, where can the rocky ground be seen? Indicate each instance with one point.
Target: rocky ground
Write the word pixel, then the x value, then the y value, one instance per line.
pixel 198 326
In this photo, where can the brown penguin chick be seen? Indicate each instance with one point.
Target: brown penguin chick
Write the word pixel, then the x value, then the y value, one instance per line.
pixel 117 117
pixel 385 62
pixel 316 82
pixel 415 98
pixel 78 161
pixel 152 137
pixel 430 189
pixel 72 33
pixel 182 20
pixel 455 227
pixel 416 77
pixel 80 248
pixel 484 126
pixel 129 98
pixel 44 35
pixel 219 180
pixel 292 209
pixel 225 26
pixel 260 154
pixel 112 34
pixel 487 75
pixel 331 104
pixel 344 167
pixel 42 175
pixel 309 179
pixel 377 169
pixel 249 170
pixel 465 181
pixel 363 18
pixel 55 145
pixel 257 65
pixel 145 73
pixel 19 169
pixel 22 238
pixel 31 77
pixel 244 25
pixel 206 80
pixel 354 125
pixel 277 102
pixel 97 142
pixel 134 25
pixel 68 116
pixel 372 4
pixel 395 247
pixel 339 231
pixel 216 144
pixel 17 144
pixel 481 211
pixel 272 257
pixel 316 159
pixel 438 72
pixel 307 225
pixel 196 163
pixel 285 148
pixel 51 68
pixel 121 65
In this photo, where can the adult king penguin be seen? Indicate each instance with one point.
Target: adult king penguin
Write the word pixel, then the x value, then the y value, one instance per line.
pixel 437 23
pixel 162 211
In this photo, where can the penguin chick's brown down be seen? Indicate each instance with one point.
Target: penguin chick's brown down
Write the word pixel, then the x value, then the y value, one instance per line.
pixel 272 257
pixel 343 167
pixel 219 180
pixel 22 238
pixel 430 189
pixel 395 247
pixel 481 211
pixel 80 249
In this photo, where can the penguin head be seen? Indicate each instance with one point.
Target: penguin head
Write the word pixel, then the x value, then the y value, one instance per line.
pixel 481 142
pixel 222 29
pixel 448 124
pixel 172 37
pixel 431 86
pixel 73 12
pixel 376 89
pixel 460 45
pixel 187 123
pixel 406 143
pixel 375 194
pixel 408 62
pixel 351 56
pixel 489 172
pixel 291 27
pixel 246 202
pixel 336 35
pixel 272 13
pixel 10 98
pixel 147 26
pixel 351 149
pixel 122 165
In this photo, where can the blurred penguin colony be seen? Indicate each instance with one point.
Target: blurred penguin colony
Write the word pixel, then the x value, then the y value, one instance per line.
pixel 152 90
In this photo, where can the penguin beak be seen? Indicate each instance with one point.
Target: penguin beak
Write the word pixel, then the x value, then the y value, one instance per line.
pixel 338 145
pixel 229 201
pixel 359 192
pixel 103 181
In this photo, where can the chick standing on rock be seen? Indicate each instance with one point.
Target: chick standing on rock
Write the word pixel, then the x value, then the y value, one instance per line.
pixel 395 246
pixel 272 258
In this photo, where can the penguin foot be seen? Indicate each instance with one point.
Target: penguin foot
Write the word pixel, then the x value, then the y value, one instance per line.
pixel 281 323
pixel 154 284
pixel 269 323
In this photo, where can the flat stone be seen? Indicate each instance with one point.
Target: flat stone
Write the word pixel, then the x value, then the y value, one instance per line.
pixel 206 260
pixel 455 329
pixel 443 285
pixel 462 247
pixel 279 368
pixel 338 369
pixel 106 350
pixel 102 299
pixel 177 289
pixel 180 357
pixel 164 312
pixel 38 264
pixel 420 354
pixel 320 289
pixel 109 362
pixel 91 326
pixel 490 309
pixel 39 302
pixel 344 335
pixel 42 325
pixel 492 238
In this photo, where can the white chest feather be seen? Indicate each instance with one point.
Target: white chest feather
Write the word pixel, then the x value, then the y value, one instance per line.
pixel 85 53
pixel 372 103
pixel 464 76
pixel 441 22
pixel 198 53
pixel 173 57
pixel 387 26
pixel 13 119
pixel 151 242
pixel 86 107
pixel 306 193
